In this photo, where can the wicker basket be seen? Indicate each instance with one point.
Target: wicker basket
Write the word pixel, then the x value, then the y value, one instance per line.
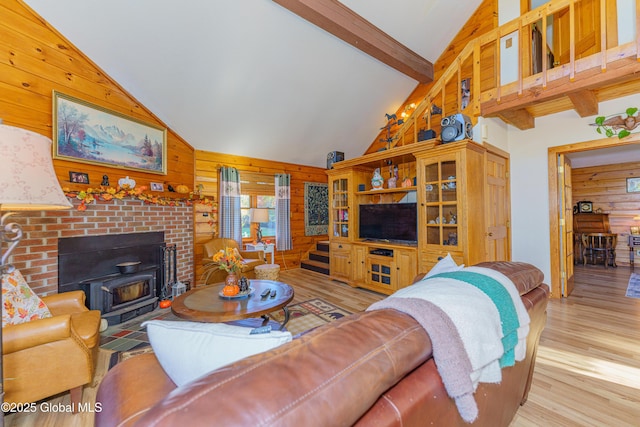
pixel 267 271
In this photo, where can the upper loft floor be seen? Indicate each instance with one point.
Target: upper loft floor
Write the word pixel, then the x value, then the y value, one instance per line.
pixel 563 55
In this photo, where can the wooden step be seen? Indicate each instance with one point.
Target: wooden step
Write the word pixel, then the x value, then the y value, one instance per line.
pixel 319 256
pixel 322 246
pixel 317 266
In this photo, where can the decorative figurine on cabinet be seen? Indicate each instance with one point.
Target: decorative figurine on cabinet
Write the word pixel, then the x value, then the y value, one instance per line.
pixel 377 181
pixel 393 181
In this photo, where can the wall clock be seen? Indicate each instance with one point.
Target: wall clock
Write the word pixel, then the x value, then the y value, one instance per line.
pixel 585 207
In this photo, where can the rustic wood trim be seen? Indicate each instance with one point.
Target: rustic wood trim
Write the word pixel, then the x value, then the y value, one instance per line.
pixel 554 205
pixel 584 102
pixel 625 69
pixel 337 19
pixel 519 118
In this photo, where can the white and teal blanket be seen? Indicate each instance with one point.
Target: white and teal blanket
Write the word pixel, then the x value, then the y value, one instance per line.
pixel 477 324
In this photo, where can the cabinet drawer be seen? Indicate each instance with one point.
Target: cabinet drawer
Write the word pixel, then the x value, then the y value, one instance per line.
pixel 430 258
pixel 338 246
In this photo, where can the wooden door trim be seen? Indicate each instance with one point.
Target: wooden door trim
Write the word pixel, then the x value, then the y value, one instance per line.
pixel 554 225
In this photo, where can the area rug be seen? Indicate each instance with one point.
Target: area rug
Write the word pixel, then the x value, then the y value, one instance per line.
pixel 310 314
pixel 633 290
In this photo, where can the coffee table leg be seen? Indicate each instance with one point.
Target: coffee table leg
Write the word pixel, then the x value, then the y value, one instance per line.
pixel 286 317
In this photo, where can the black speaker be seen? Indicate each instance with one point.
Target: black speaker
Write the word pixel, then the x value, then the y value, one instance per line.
pixel 334 156
pixel 456 128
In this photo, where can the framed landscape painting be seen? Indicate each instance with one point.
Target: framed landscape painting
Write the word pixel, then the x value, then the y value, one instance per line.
pixel 87 133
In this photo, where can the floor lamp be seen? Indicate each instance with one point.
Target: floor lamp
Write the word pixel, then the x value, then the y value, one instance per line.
pixel 27 183
pixel 258 215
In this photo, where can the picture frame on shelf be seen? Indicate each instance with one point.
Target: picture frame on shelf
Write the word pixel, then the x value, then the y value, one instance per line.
pixel 78 177
pixel 157 186
pixel 88 133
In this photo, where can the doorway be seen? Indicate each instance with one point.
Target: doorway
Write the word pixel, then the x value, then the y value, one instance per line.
pixel 559 252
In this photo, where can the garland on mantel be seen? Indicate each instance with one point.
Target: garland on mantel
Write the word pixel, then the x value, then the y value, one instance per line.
pixel 107 194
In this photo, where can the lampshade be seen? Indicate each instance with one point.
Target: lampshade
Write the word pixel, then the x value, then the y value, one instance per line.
pixel 259 215
pixel 27 179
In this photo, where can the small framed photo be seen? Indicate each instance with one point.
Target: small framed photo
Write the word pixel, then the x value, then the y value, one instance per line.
pixel 633 185
pixel 79 177
pixel 157 186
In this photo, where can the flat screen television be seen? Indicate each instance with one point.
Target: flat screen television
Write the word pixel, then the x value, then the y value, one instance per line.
pixel 389 221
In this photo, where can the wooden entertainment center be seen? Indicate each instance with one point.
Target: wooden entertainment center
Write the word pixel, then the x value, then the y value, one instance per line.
pixel 462 194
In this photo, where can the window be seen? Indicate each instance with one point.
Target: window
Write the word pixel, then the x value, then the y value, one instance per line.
pixel 258 191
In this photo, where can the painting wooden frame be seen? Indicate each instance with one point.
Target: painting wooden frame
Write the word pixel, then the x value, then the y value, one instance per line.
pixel 316 208
pixel 633 185
pixel 87 133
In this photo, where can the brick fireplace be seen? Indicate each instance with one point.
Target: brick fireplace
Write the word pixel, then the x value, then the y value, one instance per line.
pixel 37 254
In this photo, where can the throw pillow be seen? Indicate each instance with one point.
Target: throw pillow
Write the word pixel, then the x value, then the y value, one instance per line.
pixel 236 253
pixel 20 303
pixel 188 350
pixel 445 265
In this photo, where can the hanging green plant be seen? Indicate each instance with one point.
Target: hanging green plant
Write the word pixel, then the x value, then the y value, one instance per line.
pixel 618 124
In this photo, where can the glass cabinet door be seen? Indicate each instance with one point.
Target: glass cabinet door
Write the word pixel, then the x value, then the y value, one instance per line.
pixel 340 207
pixel 441 203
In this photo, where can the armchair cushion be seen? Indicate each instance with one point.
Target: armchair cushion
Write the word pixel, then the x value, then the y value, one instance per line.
pixel 20 303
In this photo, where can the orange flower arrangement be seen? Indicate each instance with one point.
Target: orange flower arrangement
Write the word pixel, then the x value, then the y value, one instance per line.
pixel 228 260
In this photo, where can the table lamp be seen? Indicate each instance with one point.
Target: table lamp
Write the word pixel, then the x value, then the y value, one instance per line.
pixel 27 183
pixel 258 215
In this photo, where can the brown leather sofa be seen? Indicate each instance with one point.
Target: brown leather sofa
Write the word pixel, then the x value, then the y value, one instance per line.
pixel 369 369
pixel 51 355
pixel 212 274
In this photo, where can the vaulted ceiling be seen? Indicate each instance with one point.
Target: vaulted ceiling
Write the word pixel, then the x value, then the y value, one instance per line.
pixel 251 77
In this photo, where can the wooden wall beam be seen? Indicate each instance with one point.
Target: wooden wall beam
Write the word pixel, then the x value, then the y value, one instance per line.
pixel 519 118
pixel 585 102
pixel 335 18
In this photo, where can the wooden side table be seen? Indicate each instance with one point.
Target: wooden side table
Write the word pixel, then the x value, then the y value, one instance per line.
pixel 268 248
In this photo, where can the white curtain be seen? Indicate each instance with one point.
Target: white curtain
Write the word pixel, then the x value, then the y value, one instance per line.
pixel 229 209
pixel 283 209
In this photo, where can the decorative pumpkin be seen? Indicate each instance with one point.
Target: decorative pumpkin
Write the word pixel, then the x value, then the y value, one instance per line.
pixel 165 303
pixel 230 290
pixel 182 189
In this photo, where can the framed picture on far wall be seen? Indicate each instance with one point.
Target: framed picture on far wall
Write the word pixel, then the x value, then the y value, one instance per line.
pixel 157 186
pixel 633 185
pixel 88 133
pixel 79 177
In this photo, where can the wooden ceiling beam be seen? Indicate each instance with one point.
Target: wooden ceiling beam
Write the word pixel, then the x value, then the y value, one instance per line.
pixel 335 18
pixel 519 118
pixel 585 102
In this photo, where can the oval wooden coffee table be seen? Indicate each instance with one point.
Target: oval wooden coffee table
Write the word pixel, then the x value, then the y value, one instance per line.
pixel 204 304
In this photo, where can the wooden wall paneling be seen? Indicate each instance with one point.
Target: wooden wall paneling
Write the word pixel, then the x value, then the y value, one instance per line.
pixel 35 60
pixel 606 187
pixel 482 21
pixel 206 167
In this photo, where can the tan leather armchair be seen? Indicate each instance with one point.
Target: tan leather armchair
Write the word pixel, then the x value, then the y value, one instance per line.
pixel 48 356
pixel 212 274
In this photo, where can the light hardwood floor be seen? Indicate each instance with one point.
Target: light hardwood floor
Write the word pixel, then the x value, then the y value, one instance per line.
pixel 588 366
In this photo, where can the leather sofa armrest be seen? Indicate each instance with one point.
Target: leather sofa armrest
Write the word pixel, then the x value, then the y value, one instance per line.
pixel 34 333
pixel 252 254
pixel 66 302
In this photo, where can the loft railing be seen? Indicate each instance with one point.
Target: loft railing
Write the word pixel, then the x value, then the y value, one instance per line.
pixel 480 61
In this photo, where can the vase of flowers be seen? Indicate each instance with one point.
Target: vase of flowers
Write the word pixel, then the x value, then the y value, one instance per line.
pixel 228 259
